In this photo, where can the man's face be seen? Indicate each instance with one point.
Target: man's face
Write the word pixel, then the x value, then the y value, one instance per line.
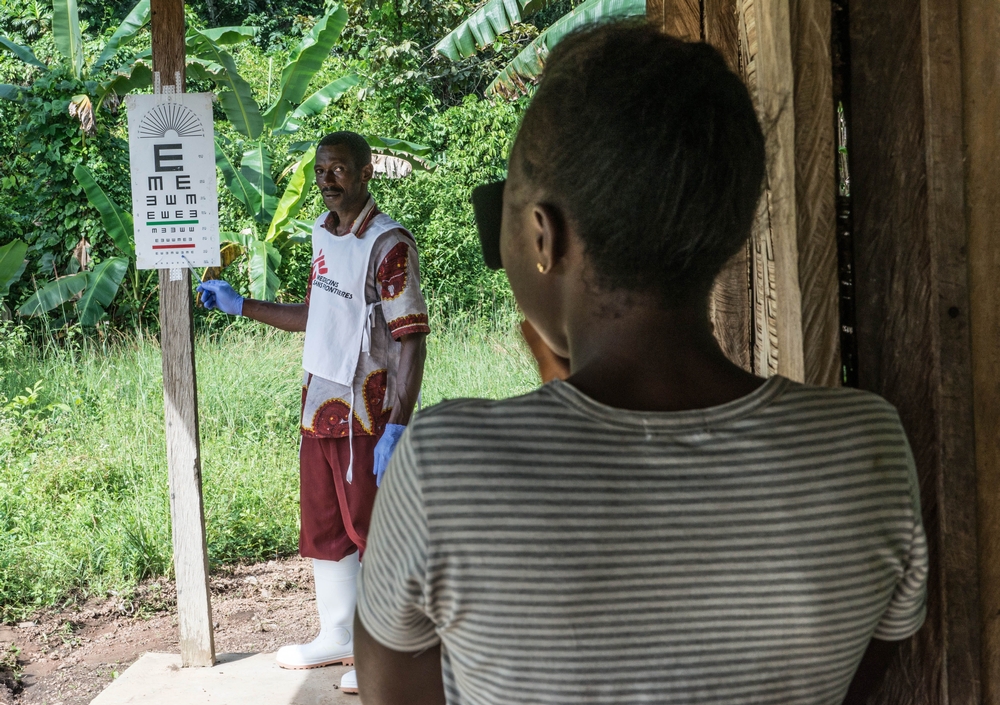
pixel 341 182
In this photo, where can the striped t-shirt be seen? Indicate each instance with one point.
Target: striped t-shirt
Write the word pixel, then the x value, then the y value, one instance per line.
pixel 563 551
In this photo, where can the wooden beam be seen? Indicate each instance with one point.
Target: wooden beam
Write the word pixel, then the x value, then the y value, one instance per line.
pixel 912 308
pixel 981 106
pixel 680 18
pixel 765 59
pixel 776 90
pixel 815 189
pixel 730 305
pixel 942 86
pixel 180 397
pixel 722 30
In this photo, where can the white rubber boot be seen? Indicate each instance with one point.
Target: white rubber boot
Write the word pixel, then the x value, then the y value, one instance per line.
pixel 336 595
pixel 349 682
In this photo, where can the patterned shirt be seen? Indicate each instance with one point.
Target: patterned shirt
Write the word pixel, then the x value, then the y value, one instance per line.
pixel 394 279
pixel 562 551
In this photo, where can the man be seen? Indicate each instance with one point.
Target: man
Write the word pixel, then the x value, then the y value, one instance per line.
pixel 365 323
pixel 662 526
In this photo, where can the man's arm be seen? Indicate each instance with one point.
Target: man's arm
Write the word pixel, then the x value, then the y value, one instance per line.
pixel 408 377
pixel 290 317
pixel 872 670
pixel 387 677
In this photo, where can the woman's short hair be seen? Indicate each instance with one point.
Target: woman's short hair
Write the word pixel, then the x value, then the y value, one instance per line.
pixel 652 148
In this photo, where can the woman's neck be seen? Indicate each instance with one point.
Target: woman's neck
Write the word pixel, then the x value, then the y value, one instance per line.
pixel 646 358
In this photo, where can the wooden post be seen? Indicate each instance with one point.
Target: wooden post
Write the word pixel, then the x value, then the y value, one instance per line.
pixel 911 267
pixel 731 307
pixel 679 18
pixel 981 105
pixel 180 397
pixel 816 189
pixel 775 95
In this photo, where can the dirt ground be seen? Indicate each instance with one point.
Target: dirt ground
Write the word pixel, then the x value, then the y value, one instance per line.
pixel 68 657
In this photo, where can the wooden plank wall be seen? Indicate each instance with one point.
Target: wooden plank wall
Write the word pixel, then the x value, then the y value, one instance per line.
pixel 774 306
pixel 913 308
pixel 816 189
pixel 981 106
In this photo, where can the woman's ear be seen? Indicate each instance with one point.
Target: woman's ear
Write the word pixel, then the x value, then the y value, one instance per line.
pixel 550 236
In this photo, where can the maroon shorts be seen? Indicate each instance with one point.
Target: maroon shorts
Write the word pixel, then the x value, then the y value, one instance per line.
pixel 335 512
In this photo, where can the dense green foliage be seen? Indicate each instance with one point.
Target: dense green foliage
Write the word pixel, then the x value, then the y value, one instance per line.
pixel 83 481
pixel 83 494
pixel 405 91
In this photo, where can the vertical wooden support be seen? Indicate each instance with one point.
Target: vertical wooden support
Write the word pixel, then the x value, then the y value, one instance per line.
pixel 981 106
pixel 776 91
pixel 766 61
pixel 816 189
pixel 913 309
pixel 680 18
pixel 194 607
pixel 731 308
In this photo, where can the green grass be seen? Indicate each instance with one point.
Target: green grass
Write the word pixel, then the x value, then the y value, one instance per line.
pixel 84 507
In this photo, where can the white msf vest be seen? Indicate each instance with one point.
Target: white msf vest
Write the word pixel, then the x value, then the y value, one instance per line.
pixel 340 321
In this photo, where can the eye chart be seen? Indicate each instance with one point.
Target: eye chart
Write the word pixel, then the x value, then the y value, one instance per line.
pixel 174 199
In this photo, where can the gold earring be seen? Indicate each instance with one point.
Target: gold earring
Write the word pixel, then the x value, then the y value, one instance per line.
pixel 541 267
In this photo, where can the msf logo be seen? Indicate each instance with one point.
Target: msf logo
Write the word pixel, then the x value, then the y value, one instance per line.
pixel 318 267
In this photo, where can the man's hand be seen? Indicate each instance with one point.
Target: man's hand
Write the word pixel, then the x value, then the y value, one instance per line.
pixel 216 293
pixel 384 449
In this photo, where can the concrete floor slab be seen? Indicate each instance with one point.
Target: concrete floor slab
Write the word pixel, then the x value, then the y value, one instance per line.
pixel 237 679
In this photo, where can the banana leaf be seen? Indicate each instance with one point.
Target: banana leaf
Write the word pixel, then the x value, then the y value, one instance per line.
pixel 264 262
pixel 117 222
pixel 527 66
pixel 483 26
pixel 126 31
pixel 304 62
pixel 9 92
pixel 317 103
pixel 12 265
pixel 53 294
pixel 402 147
pixel 241 239
pixel 227 36
pixel 137 76
pixel 66 32
pixel 417 155
pixel 23 53
pixel 303 231
pixel 256 169
pixel 294 196
pixel 102 285
pixel 238 184
pixel 236 97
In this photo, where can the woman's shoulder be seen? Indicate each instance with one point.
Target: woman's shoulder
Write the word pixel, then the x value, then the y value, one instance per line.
pixel 471 410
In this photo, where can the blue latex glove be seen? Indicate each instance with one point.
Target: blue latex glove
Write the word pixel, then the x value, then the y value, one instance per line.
pixel 384 448
pixel 216 293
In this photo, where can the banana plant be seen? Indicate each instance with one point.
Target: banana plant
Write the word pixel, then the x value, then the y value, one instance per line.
pixel 93 291
pixel 481 29
pixel 12 265
pixel 251 181
pixel 135 73
pixel 68 39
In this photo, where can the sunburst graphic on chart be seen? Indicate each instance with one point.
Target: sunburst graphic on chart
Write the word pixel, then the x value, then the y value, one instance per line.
pixel 170 117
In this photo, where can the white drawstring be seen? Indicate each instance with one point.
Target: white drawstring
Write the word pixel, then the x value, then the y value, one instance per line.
pixel 366 346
